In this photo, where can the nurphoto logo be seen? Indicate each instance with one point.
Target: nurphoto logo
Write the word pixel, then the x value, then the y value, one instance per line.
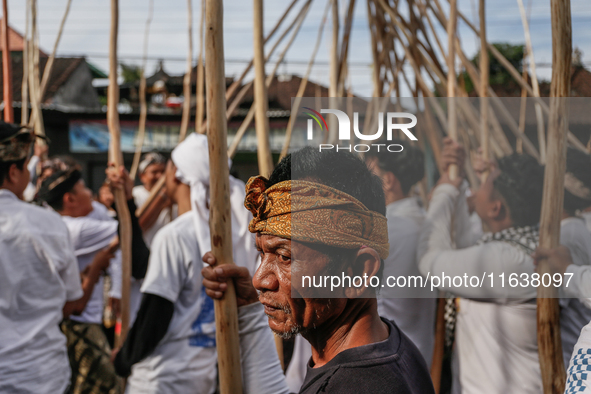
pixel 344 129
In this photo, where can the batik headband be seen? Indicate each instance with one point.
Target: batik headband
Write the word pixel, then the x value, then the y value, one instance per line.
pixel 311 212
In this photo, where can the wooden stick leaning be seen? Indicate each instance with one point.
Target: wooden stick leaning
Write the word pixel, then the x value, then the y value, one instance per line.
pixel 534 82
pixel 143 106
pixel 187 79
pixel 264 157
pixel 116 157
pixel 49 64
pixel 226 311
pixel 451 80
pixel 294 110
pixel 199 94
pixel 6 67
pixel 548 311
pixel 484 76
pixel 250 115
pixel 25 82
pixel 36 120
pixel 240 96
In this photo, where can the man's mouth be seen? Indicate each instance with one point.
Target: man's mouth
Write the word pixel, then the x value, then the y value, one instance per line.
pixel 271 308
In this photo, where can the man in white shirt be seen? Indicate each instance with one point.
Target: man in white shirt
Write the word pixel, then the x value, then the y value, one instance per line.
pixel 39 279
pixel 171 346
pixel 415 313
pixel 161 212
pixel 496 341
pixel 67 194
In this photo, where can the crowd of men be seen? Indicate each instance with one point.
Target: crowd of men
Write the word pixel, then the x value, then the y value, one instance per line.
pixel 317 214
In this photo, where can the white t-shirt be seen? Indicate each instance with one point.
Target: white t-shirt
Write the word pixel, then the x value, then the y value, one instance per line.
pixel 38 274
pixel 579 369
pixel 140 195
pixel 414 316
pixel 89 236
pixel 574 315
pixel 185 359
pixel 496 338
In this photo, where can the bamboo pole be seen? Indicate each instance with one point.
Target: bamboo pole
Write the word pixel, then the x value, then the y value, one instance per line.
pixel 302 88
pixel 238 99
pixel 6 67
pixel 534 81
pixel 25 82
pixel 237 83
pixel 451 80
pixel 334 72
pixel 484 77
pixel 143 106
pixel 36 120
pixel 199 111
pixel 116 158
pixel 522 113
pixel 548 311
pixel 344 52
pixel 187 79
pixel 265 159
pixel 49 64
pixel 226 315
pixel 251 112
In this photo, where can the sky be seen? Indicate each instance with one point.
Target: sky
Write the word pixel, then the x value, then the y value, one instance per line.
pixel 87 33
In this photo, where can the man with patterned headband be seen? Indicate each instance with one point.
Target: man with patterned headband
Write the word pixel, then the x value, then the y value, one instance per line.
pixel 323 213
pixel 39 279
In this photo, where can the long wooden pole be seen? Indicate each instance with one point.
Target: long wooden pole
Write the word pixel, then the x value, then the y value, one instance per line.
pixel 116 157
pixel 251 112
pixel 226 311
pixel 484 76
pixel 25 82
pixel 143 105
pixel 265 159
pixel 200 110
pixel 49 64
pixel 6 66
pixel 303 84
pixel 187 79
pixel 451 80
pixel 548 312
pixel 534 82
pixel 36 116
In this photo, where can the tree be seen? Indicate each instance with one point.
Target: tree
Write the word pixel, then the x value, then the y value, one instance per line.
pixel 498 74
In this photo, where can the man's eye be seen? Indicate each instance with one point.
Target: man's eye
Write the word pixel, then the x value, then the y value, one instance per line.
pixel 285 259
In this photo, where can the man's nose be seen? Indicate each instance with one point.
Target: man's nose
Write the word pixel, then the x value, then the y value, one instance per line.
pixel 264 278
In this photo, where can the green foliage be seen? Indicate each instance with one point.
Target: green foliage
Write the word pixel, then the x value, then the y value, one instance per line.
pixel 130 73
pixel 498 74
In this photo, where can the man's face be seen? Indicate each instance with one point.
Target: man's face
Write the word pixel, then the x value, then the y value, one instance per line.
pixel 273 280
pixel 80 199
pixel 485 197
pixel 151 175
pixel 170 182
pixel 106 196
pixel 20 179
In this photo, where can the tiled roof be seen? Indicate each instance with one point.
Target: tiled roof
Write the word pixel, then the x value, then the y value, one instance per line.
pixel 63 67
pixel 15 41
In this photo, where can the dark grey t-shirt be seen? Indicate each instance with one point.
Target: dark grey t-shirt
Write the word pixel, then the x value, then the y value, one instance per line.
pixel 393 366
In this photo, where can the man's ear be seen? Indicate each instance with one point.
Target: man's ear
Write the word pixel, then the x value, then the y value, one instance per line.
pixel 389 181
pixel 13 174
pixel 366 265
pixel 68 200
